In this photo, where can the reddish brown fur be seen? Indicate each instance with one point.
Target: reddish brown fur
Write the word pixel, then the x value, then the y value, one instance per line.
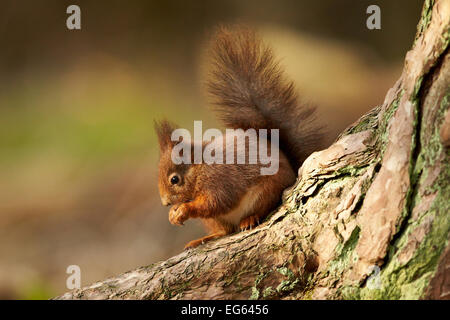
pixel 250 92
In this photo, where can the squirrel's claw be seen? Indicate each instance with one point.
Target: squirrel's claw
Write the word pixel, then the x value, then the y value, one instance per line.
pixel 178 214
pixel 248 223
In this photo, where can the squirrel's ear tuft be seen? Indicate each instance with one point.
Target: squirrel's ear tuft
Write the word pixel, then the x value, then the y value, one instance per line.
pixel 164 131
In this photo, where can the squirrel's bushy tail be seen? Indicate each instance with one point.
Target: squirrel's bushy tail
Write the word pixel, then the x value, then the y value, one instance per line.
pixel 250 91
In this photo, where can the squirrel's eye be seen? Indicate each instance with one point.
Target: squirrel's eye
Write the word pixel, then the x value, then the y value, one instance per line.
pixel 174 180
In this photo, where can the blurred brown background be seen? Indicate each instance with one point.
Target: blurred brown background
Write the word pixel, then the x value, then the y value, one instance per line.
pixel 78 154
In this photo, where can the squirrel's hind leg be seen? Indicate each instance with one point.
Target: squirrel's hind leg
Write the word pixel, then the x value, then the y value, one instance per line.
pixel 250 222
pixel 269 196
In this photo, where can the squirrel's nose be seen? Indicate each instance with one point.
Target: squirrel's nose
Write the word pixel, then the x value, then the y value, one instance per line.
pixel 165 201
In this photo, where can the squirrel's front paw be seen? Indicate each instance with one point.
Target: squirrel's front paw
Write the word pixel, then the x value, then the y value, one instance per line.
pixel 178 214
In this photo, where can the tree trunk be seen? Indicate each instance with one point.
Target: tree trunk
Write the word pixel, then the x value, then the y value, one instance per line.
pixel 368 218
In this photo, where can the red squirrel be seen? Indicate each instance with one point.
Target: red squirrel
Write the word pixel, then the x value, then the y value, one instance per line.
pixel 249 90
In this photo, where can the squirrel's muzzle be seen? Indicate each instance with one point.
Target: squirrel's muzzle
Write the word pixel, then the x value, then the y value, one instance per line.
pixel 165 201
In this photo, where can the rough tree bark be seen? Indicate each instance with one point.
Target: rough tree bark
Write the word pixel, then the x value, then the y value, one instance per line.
pixel 368 217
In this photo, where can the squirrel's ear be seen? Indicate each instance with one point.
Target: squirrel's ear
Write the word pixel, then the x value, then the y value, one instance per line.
pixel 164 130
